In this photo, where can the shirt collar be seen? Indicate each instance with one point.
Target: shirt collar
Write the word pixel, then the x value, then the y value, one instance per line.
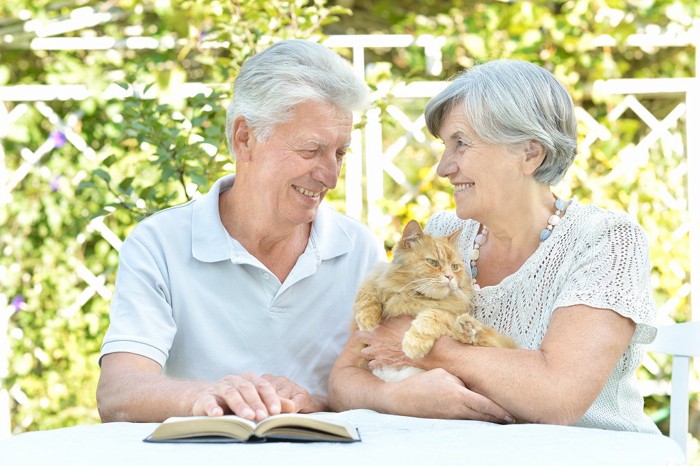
pixel 209 237
pixel 329 236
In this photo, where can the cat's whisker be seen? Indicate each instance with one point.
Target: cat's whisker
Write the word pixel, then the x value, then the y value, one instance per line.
pixel 461 294
pixel 427 285
pixel 416 285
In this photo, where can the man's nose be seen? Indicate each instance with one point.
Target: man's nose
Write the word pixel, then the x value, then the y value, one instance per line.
pixel 328 170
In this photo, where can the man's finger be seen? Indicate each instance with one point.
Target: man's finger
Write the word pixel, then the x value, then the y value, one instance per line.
pixel 238 405
pixel 269 397
pixel 288 406
pixel 207 405
pixel 301 400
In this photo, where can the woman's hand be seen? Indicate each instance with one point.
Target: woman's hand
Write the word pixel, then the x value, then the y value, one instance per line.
pixel 439 394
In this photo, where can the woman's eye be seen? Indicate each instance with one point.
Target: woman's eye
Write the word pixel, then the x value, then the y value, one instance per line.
pixel 432 262
pixel 455 267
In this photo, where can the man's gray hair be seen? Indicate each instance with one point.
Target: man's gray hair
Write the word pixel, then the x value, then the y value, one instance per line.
pixel 288 73
pixel 512 102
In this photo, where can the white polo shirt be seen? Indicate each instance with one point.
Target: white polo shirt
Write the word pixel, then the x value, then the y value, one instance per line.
pixel 191 298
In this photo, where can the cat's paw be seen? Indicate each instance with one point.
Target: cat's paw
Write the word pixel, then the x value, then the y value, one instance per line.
pixel 366 323
pixel 469 328
pixel 416 347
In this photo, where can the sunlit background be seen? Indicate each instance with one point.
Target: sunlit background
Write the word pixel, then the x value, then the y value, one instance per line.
pixel 112 110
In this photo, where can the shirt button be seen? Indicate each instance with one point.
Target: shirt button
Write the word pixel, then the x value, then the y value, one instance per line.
pixel 266 276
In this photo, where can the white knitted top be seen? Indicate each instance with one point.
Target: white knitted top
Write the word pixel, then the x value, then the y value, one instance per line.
pixel 593 257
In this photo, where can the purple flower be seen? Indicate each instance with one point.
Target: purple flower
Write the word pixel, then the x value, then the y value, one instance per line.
pixel 17 302
pixel 58 138
pixel 55 183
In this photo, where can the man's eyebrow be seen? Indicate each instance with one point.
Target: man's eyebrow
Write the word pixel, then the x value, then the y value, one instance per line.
pixel 315 142
pixel 324 144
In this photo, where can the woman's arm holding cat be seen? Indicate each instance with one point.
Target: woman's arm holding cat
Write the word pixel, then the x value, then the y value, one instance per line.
pixel 434 394
pixel 554 384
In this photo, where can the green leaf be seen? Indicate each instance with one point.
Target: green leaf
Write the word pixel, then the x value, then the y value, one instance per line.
pixel 102 174
pixel 109 161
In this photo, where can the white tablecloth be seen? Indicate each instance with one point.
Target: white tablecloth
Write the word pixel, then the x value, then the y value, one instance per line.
pixel 386 440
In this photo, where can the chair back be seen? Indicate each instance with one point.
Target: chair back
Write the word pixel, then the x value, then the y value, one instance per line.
pixel 683 342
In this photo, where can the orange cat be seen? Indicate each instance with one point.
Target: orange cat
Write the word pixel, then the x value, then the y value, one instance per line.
pixel 427 281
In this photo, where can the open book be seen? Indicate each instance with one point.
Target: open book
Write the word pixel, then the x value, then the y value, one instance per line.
pixel 287 427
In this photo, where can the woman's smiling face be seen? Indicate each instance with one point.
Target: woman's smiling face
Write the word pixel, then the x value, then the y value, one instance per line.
pixel 484 175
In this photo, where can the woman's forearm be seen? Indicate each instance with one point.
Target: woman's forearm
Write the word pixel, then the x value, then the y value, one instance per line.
pixel 555 383
pixel 432 394
pixel 518 380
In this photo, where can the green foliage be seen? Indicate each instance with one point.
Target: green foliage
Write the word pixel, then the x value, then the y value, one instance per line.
pixel 171 154
pixel 159 146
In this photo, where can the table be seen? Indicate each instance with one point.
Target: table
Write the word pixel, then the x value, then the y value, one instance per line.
pixel 386 440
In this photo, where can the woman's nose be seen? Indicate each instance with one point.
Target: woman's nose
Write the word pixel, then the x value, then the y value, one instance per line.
pixel 446 167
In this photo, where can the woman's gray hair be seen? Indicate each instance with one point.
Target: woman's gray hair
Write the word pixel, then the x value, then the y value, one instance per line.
pixel 288 73
pixel 511 102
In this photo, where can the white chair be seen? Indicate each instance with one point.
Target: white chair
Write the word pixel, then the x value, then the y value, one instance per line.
pixel 683 342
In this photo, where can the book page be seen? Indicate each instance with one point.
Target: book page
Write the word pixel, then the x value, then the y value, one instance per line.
pixel 314 424
pixel 204 426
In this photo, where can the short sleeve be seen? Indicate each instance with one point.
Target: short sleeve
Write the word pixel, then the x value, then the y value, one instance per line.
pixel 141 319
pixel 610 270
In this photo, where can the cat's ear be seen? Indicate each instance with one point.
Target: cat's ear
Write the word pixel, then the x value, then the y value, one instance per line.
pixel 454 237
pixel 412 233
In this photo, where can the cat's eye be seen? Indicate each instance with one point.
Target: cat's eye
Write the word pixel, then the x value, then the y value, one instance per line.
pixel 455 267
pixel 432 262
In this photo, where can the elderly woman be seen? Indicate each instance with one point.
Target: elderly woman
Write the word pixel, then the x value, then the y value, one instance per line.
pixel 568 282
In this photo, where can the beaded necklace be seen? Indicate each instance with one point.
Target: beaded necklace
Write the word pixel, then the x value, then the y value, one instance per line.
pixel 480 239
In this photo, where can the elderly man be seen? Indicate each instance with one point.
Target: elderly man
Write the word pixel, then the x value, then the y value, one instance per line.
pixel 240 301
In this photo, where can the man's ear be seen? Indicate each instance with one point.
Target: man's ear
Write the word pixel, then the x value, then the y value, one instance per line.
pixel 242 139
pixel 534 156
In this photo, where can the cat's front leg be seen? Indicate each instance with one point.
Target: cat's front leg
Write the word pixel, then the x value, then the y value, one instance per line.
pixel 468 329
pixel 427 327
pixel 473 332
pixel 367 309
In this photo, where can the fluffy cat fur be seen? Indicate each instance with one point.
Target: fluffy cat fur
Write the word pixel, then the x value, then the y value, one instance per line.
pixel 426 280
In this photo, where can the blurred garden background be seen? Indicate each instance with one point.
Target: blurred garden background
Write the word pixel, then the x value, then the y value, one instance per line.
pixel 112 110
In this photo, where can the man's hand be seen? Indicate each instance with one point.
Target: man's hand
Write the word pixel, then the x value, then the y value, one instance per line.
pixel 384 344
pixel 247 395
pixel 302 401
